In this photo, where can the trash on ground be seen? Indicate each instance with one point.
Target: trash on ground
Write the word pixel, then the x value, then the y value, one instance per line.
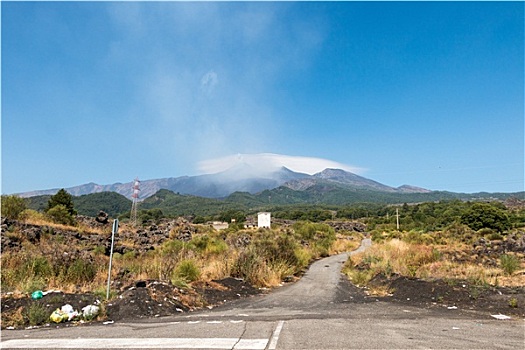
pixel 452 307
pixel 38 294
pixel 108 322
pixel 91 311
pixel 51 291
pixel 65 313
pixel 501 317
pixel 71 314
pixel 58 316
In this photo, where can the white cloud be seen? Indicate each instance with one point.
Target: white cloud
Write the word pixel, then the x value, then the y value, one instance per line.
pixel 268 162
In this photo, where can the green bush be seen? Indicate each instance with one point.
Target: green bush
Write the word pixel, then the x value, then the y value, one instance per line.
pixel 37 314
pixel 509 263
pixel 172 247
pixel 60 215
pixel 12 206
pixel 187 270
pixel 513 302
pixel 359 277
pixel 248 266
pixel 80 271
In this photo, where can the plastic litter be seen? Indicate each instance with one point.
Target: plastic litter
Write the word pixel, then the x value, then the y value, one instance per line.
pixel 452 307
pixel 89 312
pixel 65 313
pixel 71 314
pixel 58 316
pixel 501 317
pixel 51 291
pixel 38 294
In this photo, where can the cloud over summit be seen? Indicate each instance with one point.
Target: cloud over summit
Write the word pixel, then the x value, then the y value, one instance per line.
pixel 268 162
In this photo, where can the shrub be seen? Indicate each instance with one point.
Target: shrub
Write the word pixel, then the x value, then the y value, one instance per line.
pixel 60 215
pixel 358 277
pixel 32 216
pixel 303 257
pixel 513 302
pixel 12 206
pixel 80 271
pixel 250 266
pixel 37 314
pixel 187 270
pixel 509 263
pixel 208 245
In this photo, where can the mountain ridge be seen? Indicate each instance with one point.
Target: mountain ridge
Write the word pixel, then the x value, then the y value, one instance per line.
pixel 240 178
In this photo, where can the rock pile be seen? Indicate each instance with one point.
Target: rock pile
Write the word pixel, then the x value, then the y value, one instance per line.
pixel 512 243
pixel 347 226
pixel 144 239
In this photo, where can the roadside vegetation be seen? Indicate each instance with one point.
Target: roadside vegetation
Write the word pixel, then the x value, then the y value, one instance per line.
pixel 54 249
pixel 480 243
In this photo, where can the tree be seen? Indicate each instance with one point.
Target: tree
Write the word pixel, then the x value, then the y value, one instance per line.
pixel 62 197
pixel 485 215
pixel 12 206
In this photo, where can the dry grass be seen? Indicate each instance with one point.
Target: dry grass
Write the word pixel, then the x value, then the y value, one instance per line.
pixel 13 318
pixel 380 290
pixel 216 268
pixel 343 245
pixel 427 262
pixel 41 220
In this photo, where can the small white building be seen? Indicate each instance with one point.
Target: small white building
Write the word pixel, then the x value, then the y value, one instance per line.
pixel 264 219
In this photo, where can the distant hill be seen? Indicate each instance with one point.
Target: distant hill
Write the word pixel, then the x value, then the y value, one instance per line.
pixel 112 203
pixel 245 188
pixel 240 178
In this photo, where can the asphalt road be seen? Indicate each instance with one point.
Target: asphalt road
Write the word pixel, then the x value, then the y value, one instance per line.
pixel 321 311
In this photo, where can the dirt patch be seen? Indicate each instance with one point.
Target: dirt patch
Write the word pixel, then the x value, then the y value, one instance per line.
pixel 452 294
pixel 221 291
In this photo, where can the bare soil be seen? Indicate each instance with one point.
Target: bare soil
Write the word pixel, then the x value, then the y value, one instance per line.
pixel 459 294
pixel 150 299
pixel 143 299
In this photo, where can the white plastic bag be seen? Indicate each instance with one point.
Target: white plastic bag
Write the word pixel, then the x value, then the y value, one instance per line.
pixel 90 311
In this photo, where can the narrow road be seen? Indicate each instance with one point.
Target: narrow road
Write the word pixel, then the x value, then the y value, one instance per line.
pixel 321 311
pixel 316 290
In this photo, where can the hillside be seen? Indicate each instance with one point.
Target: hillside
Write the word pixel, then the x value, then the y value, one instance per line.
pixel 243 188
pixel 240 178
pixel 323 194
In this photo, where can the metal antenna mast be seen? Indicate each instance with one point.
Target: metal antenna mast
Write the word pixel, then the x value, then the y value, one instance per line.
pixel 135 199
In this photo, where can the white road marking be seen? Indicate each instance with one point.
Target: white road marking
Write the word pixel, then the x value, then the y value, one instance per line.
pixel 138 343
pixel 214 322
pixel 275 336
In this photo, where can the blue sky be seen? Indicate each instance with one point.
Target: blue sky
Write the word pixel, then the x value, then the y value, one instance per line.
pixel 427 94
